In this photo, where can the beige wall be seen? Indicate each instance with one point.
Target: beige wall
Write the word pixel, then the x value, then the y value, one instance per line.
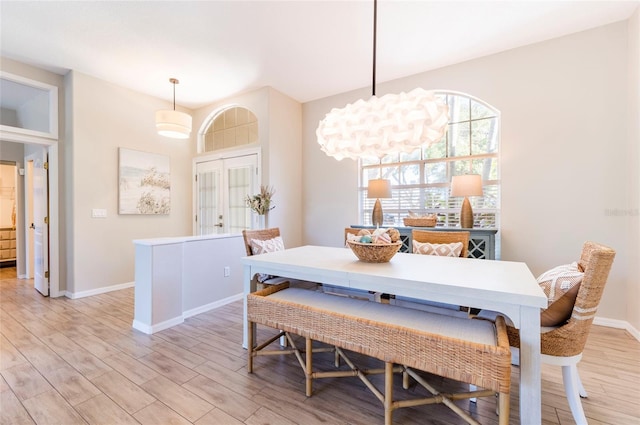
pixel 564 152
pixel 633 312
pixel 105 118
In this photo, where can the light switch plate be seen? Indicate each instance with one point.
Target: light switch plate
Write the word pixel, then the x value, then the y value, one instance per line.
pixel 99 213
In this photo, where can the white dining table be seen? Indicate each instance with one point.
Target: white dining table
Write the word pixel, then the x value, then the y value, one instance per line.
pixel 504 286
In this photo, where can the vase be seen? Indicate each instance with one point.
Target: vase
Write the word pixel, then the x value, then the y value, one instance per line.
pixel 262 221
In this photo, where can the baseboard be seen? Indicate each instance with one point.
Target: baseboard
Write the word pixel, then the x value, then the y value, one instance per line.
pixel 212 305
pixel 98 291
pixel 148 329
pixel 617 324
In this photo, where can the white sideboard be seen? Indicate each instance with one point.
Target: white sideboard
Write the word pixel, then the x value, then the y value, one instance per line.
pixel 176 278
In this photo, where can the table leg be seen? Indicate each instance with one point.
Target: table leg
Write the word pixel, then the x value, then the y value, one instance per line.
pixel 530 372
pixel 249 286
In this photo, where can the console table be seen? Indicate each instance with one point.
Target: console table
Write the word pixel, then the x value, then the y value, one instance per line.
pixel 482 242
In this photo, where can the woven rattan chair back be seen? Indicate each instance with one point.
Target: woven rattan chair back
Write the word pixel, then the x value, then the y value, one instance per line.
pixel 442 237
pixel 262 235
pixel 570 338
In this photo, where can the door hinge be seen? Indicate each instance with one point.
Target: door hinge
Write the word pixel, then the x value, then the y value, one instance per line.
pixel 45 165
pixel 46 220
pixel 46 274
pixel 196 218
pixel 196 177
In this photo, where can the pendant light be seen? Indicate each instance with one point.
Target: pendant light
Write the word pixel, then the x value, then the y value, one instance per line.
pixel 172 123
pixel 393 123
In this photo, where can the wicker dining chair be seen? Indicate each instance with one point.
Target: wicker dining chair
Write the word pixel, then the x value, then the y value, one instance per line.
pixel 262 235
pixel 436 237
pixel 563 345
pixel 431 236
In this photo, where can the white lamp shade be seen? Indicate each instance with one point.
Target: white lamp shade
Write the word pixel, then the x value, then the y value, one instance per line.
pixel 175 124
pixel 466 185
pixel 379 188
pixel 393 123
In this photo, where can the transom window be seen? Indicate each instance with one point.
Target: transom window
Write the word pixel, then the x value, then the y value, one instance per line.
pixel 421 180
pixel 233 127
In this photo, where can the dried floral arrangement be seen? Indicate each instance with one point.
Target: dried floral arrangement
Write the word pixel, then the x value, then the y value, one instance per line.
pixel 261 203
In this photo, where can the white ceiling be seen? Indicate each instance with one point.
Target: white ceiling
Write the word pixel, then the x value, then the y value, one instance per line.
pixel 305 49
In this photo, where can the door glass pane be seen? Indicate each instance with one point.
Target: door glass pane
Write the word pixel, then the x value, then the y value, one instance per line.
pixel 208 212
pixel 239 187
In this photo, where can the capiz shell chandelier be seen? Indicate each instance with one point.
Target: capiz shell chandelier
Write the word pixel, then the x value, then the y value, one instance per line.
pixel 393 123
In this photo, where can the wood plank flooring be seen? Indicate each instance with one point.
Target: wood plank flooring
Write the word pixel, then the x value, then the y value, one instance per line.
pixel 79 361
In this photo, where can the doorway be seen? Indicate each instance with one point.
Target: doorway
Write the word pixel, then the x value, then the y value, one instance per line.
pixel 8 213
pixel 221 187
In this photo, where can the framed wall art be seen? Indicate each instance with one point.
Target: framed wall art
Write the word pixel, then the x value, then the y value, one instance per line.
pixel 144 182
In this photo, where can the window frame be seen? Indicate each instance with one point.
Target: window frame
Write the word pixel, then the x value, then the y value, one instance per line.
pixel 486 208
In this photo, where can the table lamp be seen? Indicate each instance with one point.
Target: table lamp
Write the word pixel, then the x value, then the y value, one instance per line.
pixel 466 185
pixel 378 188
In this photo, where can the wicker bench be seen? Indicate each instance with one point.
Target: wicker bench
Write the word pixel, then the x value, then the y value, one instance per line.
pixel 468 350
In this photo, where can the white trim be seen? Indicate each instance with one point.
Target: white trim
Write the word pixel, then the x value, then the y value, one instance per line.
pixel 26 135
pixel 617 324
pixel 212 306
pixel 137 325
pixel 98 291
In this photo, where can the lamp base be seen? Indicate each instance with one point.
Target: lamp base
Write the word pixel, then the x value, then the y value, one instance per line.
pixel 466 214
pixel 376 215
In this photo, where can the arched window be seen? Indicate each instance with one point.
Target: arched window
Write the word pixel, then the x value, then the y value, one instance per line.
pixel 232 127
pixel 421 180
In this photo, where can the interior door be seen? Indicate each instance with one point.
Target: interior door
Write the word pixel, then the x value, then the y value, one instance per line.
pixel 221 188
pixel 40 223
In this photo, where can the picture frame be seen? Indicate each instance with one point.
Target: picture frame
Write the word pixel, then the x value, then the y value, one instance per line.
pixel 144 183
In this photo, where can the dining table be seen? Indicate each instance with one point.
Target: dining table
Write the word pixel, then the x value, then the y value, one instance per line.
pixel 506 287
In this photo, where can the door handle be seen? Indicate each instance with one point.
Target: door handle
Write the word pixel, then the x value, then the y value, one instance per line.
pixel 218 225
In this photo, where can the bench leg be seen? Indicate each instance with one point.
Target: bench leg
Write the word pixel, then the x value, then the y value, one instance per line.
pixel 388 393
pixel 250 344
pixel 309 366
pixel 503 403
pixel 405 379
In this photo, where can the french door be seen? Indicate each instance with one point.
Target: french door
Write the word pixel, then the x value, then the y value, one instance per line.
pixel 221 188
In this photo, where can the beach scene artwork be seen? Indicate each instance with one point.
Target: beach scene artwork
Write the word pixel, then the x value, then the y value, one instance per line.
pixel 145 183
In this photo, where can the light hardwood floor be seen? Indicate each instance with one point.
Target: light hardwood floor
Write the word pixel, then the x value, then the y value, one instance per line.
pixel 68 361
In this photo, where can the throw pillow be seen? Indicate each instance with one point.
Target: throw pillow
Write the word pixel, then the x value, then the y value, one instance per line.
pixel 560 285
pixel 453 249
pixel 265 246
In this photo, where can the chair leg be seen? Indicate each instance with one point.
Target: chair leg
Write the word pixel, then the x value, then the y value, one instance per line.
pixel 503 408
pixel 572 387
pixel 581 390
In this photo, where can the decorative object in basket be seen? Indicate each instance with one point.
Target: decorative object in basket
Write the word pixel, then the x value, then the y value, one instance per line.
pixel 377 247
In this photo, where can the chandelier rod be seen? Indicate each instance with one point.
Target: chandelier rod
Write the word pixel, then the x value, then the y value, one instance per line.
pixel 174 81
pixel 375 31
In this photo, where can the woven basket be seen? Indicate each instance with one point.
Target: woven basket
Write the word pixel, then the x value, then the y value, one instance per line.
pixel 374 253
pixel 420 221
